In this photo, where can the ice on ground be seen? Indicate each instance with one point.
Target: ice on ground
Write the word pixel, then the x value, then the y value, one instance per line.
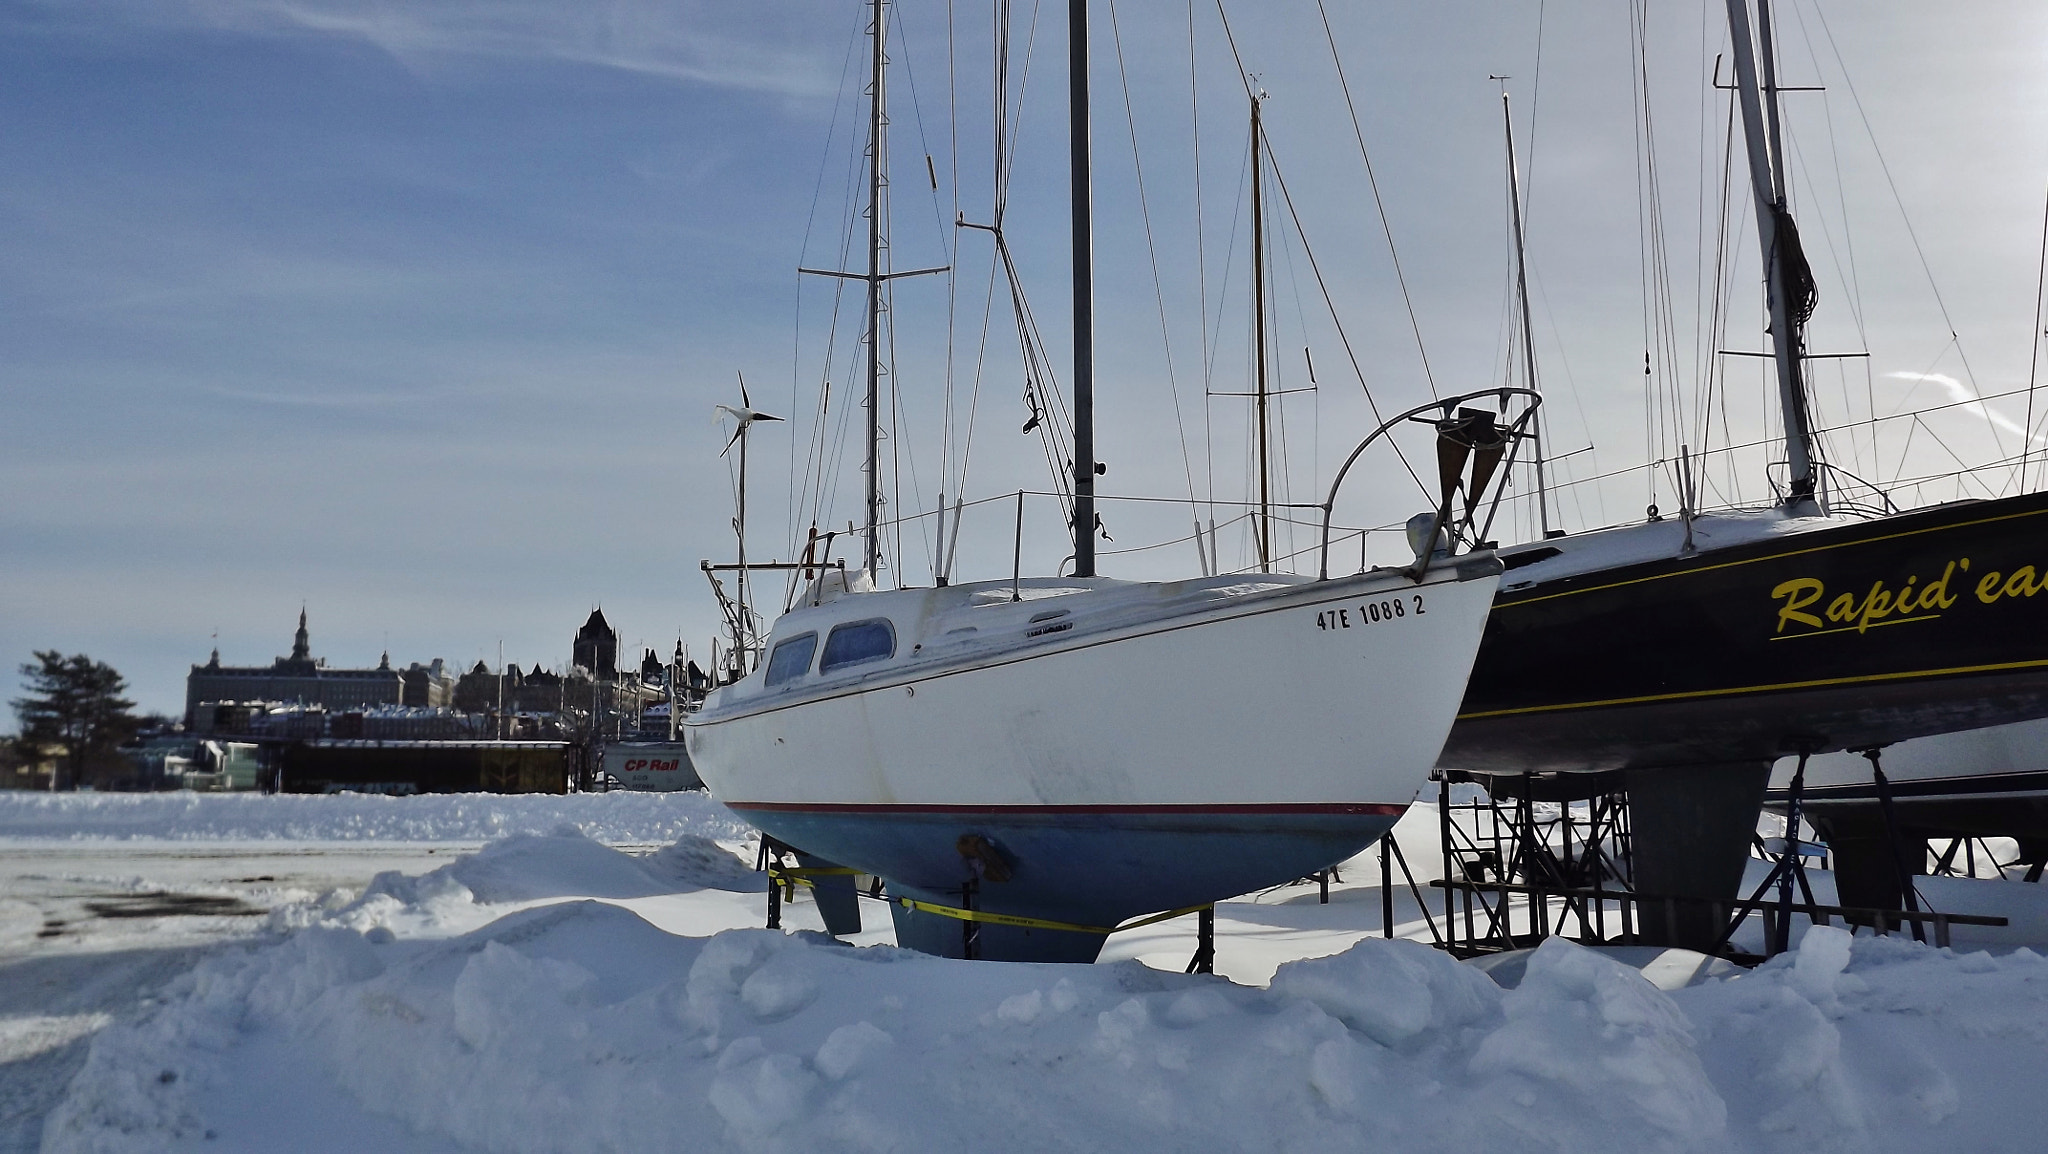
pixel 582 1025
pixel 620 817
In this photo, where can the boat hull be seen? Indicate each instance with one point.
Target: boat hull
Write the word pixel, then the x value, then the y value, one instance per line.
pixel 1124 772
pixel 1087 865
pixel 1836 637
pixel 1990 782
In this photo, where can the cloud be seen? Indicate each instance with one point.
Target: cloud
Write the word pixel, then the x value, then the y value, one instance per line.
pixel 691 42
pixel 315 400
pixel 1967 401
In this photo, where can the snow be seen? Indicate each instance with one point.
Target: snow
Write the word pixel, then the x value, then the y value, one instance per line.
pixel 1619 545
pixel 548 992
pixel 619 818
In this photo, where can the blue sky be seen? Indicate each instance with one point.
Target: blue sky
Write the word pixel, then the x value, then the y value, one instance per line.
pixel 416 314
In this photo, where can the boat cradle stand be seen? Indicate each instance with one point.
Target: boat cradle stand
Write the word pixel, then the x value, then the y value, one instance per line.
pixel 1563 855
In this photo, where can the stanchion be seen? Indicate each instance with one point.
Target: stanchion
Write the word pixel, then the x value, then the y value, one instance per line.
pixel 1204 961
pixel 1907 897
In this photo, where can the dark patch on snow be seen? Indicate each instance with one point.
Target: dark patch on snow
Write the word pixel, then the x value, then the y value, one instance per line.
pixel 163 905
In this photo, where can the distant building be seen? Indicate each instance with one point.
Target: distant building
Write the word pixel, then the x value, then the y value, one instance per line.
pixel 539 691
pixel 405 767
pixel 300 677
pixel 596 648
pixel 429 686
pixel 25 767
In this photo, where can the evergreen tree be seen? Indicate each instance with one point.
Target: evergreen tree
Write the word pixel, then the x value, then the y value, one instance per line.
pixel 74 704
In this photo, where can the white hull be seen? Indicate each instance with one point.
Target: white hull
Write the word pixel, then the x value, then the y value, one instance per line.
pixel 1247 703
pixel 2009 761
pixel 1171 744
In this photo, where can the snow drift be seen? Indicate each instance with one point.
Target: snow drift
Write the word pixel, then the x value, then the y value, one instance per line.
pixel 619 817
pixel 578 1025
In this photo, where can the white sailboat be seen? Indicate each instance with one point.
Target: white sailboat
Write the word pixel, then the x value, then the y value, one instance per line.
pixel 1043 758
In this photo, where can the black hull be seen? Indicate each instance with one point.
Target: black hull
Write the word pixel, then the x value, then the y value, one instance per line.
pixel 1744 653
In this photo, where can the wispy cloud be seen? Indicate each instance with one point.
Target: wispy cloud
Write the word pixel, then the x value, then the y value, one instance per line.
pixel 1968 401
pixel 314 400
pixel 693 42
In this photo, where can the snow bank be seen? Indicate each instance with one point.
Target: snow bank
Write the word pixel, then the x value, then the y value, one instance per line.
pixel 580 1026
pixel 619 817
pixel 526 868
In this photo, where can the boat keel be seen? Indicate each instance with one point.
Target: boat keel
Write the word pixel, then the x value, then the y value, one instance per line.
pixel 1690 828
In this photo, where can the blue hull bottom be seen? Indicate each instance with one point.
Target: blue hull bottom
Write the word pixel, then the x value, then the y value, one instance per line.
pixel 1093 865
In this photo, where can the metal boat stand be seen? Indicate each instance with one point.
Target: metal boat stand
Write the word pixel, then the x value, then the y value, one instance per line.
pixel 1543 856
pixel 1788 867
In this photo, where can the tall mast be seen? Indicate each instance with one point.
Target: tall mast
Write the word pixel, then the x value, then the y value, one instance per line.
pixel 1784 264
pixel 1522 292
pixel 872 561
pixel 739 528
pixel 1084 289
pixel 878 240
pixel 1265 534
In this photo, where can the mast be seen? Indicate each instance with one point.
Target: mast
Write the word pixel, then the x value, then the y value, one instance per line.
pixel 872 561
pixel 1522 292
pixel 1084 289
pixel 878 240
pixel 739 528
pixel 1265 535
pixel 1786 274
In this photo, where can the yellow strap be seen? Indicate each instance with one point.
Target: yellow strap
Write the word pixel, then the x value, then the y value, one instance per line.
pixel 1168 915
pixel 777 875
pixel 1038 923
pixel 802 877
pixel 813 871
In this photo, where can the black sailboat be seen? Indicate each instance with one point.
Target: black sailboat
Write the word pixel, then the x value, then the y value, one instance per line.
pixel 1690 653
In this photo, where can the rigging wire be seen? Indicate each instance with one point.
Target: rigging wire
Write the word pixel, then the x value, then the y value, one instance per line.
pixel 1315 266
pixel 1152 251
pixel 1713 373
pixel 1372 181
pixel 1201 269
pixel 2034 353
pixel 1892 184
pixel 1842 253
pixel 904 445
pixel 1287 198
pixel 796 343
pixel 1665 411
pixel 1915 417
pixel 952 285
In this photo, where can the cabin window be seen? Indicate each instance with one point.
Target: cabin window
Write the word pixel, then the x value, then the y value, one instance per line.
pixel 791 659
pixel 858 641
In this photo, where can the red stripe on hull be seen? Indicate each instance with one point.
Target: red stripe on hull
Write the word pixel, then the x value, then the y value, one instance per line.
pixel 1371 809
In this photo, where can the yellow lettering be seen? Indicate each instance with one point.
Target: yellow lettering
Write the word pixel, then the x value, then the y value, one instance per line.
pixel 1876 607
pixel 1843 609
pixel 2021 583
pixel 1798 594
pixel 1935 594
pixel 1987 589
